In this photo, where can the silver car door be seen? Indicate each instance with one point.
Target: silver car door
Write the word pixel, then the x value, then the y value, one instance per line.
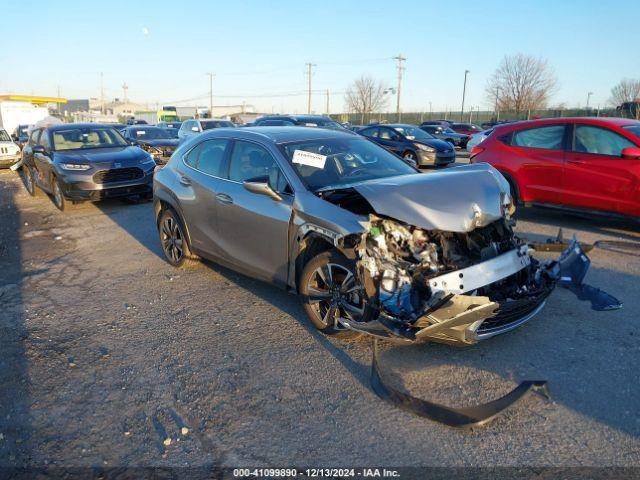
pixel 200 180
pixel 254 228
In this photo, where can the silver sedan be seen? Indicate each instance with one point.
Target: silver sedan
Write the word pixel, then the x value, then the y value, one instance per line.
pixel 369 243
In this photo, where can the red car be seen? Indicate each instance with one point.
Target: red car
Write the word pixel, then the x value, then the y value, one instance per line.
pixel 586 164
pixel 465 128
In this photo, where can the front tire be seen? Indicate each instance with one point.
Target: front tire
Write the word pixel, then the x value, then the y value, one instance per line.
pixel 173 240
pixel 29 181
pixel 59 201
pixel 330 291
pixel 409 155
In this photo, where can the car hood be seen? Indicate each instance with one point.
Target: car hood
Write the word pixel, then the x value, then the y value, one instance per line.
pixel 458 199
pixel 439 145
pixel 125 156
pixel 161 142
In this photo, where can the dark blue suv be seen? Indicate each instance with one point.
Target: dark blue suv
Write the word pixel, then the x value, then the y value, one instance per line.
pixel 412 143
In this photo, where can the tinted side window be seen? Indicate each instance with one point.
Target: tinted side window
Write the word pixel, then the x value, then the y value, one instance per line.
pixel 249 161
pixel 548 138
pixel 370 132
pixel 388 134
pixel 589 139
pixel 207 157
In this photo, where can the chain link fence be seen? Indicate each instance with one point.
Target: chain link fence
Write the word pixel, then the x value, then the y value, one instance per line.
pixel 473 116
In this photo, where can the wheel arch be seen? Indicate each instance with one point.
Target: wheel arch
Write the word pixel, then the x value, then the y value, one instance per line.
pixel 515 188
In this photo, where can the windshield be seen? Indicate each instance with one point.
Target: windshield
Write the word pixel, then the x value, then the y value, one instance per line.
pixel 4 136
pixel 87 137
pixel 413 133
pixel 219 124
pixel 635 129
pixel 334 162
pixel 150 134
pixel 448 130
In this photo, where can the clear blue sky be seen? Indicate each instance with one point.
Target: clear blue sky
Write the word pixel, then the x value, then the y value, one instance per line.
pixel 259 47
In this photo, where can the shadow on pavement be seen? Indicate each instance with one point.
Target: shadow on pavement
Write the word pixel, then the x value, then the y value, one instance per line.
pixel 15 418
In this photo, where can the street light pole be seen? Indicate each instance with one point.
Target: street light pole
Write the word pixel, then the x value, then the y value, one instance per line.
pixel 588 97
pixel 464 92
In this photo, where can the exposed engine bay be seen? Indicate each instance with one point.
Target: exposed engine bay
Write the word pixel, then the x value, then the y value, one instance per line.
pixel 453 287
pixel 447 286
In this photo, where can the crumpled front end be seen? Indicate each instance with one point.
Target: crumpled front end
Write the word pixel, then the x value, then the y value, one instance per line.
pixel 449 287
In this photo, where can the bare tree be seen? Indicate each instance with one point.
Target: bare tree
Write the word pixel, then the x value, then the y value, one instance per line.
pixel 628 90
pixel 520 83
pixel 365 96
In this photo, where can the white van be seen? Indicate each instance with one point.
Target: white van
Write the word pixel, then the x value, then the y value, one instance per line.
pixel 14 113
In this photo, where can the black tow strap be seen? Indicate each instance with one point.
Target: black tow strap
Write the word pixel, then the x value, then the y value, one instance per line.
pixel 465 417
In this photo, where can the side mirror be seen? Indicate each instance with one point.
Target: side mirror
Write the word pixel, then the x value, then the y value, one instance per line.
pixel 195 129
pixel 14 137
pixel 260 186
pixel 632 153
pixel 38 149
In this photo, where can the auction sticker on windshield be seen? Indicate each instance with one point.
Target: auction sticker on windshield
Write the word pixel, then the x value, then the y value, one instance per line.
pixel 309 158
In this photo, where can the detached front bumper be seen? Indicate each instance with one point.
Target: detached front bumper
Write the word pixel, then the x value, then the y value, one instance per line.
pixel 8 160
pixel 457 315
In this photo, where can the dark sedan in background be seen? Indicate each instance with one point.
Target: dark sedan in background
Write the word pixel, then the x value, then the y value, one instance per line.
pixel 77 162
pixel 158 142
pixel 411 143
pixel 466 128
pixel 446 134
pixel 171 127
pixel 298 120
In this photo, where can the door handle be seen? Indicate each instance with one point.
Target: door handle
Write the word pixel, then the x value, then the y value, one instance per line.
pixel 185 181
pixel 224 198
pixel 576 162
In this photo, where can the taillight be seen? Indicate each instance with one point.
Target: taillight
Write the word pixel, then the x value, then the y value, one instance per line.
pixel 475 151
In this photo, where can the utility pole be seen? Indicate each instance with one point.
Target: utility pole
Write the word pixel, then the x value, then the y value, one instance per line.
pixel 125 87
pixel 102 93
pixel 327 102
pixel 429 110
pixel 464 92
pixel 588 97
pixel 58 91
pixel 309 67
pixel 400 68
pixel 211 75
pixel 496 107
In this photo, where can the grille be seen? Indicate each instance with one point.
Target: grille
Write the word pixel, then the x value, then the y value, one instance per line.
pixel 511 312
pixel 118 175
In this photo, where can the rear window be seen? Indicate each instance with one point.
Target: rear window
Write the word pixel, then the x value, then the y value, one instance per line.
pixel 547 138
pixel 210 125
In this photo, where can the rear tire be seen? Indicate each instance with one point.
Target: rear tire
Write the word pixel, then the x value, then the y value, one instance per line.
pixel 173 240
pixel 329 291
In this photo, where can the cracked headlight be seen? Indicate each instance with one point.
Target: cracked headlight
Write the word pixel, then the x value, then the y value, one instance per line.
pixel 76 167
pixel 425 148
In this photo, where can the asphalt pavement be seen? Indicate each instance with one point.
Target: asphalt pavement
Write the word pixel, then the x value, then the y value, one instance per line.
pixel 110 357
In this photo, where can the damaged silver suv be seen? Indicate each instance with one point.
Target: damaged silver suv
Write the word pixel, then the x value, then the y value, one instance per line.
pixel 369 243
